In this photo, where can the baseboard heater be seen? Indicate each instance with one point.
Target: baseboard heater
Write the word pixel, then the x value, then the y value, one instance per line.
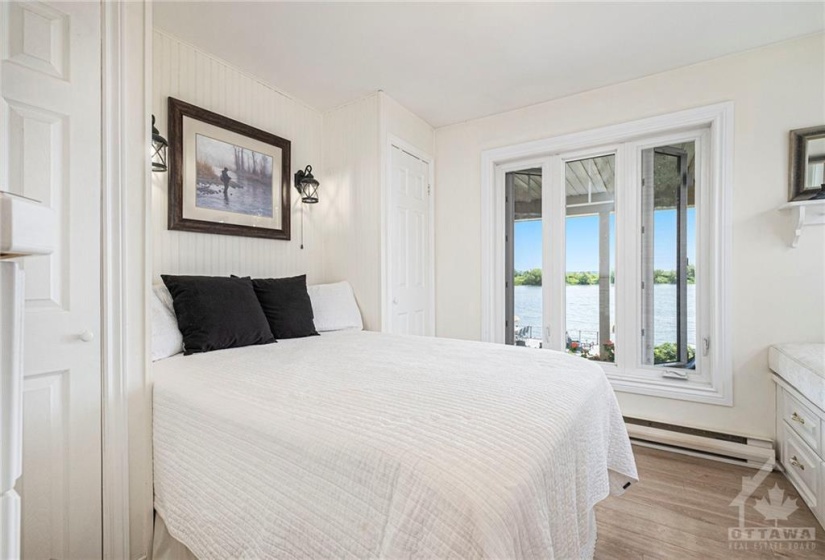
pixel 739 450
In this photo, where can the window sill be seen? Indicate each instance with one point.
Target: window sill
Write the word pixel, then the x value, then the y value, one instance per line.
pixel 643 383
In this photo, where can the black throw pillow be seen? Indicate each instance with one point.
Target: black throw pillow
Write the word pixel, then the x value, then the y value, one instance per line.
pixel 287 306
pixel 217 312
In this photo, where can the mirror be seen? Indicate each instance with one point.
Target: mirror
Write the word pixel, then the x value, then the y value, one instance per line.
pixel 807 163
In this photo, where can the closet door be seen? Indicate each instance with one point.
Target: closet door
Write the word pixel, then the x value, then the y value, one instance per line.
pixel 410 282
pixel 50 135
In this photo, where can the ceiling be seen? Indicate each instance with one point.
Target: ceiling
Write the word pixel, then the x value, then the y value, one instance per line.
pixel 451 62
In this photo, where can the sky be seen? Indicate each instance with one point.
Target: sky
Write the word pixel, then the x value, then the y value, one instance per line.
pixel 582 237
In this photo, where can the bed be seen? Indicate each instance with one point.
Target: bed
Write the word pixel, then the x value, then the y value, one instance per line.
pixel 366 445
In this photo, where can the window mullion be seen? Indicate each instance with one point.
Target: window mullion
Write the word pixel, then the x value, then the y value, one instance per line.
pixel 646 283
pixel 553 197
pixel 627 265
pixel 682 263
pixel 706 274
pixel 509 244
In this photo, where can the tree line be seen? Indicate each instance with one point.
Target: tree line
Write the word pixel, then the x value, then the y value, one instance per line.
pixel 533 277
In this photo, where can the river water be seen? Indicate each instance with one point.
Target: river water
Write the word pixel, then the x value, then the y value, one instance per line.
pixel 583 311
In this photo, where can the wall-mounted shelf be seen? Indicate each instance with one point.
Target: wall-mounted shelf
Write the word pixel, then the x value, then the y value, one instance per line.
pixel 808 213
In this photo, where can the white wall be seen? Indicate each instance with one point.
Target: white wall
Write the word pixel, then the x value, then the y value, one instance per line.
pixel 350 207
pixel 402 123
pixel 355 156
pixel 778 292
pixel 186 73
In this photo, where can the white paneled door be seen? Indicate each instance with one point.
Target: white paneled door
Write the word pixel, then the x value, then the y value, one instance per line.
pixel 410 282
pixel 50 151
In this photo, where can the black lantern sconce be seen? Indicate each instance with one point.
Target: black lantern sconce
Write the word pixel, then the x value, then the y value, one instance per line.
pixel 159 149
pixel 307 185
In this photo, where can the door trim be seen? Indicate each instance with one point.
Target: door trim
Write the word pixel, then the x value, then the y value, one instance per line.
pixel 125 136
pixel 386 212
pixel 115 455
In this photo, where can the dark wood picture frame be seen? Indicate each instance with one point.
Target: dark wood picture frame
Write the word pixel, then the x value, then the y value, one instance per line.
pixel 798 163
pixel 177 111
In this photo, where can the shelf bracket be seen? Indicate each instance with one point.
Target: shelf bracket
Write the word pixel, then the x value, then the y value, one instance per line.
pixel 808 213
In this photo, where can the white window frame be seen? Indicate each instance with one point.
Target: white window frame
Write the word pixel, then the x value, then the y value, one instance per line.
pixel 712 128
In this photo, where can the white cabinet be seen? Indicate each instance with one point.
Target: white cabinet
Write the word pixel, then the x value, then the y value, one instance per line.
pixel 802 419
pixel 802 467
pixel 799 431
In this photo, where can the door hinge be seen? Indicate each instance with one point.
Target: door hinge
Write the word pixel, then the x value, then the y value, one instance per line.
pixel 643 229
pixel 706 345
pixel 643 332
pixel 429 189
pixel 643 285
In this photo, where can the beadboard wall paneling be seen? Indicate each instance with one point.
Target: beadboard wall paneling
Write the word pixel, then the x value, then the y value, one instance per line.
pixel 352 206
pixel 197 77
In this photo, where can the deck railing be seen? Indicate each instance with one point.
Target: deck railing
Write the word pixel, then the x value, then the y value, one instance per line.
pixel 586 339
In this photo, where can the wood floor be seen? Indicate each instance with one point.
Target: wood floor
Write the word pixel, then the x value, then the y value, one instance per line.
pixel 680 509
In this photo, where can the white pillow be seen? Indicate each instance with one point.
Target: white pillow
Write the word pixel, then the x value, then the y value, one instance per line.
pixel 334 307
pixel 166 337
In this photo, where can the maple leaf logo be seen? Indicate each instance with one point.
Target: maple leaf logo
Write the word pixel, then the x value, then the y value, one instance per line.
pixel 776 506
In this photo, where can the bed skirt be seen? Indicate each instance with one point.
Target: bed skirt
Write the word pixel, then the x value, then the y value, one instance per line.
pixel 167 547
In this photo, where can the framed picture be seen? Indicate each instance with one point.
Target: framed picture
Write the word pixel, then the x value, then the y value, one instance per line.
pixel 226 177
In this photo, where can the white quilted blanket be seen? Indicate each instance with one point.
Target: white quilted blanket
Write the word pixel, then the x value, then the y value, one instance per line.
pixel 364 445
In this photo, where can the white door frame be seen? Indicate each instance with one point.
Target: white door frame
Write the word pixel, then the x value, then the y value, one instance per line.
pixel 386 213
pixel 126 134
pixel 114 406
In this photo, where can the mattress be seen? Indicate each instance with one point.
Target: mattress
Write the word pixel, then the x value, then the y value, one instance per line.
pixel 366 445
pixel 802 365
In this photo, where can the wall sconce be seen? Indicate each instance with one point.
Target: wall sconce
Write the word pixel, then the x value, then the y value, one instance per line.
pixel 307 185
pixel 159 147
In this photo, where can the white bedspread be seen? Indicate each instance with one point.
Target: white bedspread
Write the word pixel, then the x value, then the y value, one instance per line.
pixel 364 445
